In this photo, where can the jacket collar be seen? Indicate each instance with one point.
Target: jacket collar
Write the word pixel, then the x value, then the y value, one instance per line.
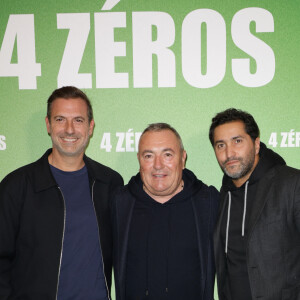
pixel 97 171
pixel 264 188
pixel 43 179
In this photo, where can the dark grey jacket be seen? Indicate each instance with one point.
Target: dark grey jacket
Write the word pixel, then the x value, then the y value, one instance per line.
pixel 32 225
pixel 273 242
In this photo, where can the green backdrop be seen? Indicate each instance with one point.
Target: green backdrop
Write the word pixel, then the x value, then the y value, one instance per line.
pixel 141 62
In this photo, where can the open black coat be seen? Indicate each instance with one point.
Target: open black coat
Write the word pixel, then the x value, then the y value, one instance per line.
pixel 32 225
pixel 273 242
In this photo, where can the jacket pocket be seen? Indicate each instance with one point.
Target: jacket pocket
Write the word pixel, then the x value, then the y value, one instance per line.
pixel 291 293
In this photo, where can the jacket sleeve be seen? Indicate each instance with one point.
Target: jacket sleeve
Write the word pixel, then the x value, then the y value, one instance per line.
pixel 117 181
pixel 214 200
pixel 10 207
pixel 297 203
pixel 116 184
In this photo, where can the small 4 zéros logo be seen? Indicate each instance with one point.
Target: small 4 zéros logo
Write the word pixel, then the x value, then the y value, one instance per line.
pixel 2 142
pixel 288 139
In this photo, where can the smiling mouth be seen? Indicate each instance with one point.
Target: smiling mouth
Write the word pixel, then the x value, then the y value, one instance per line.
pixel 159 175
pixel 69 140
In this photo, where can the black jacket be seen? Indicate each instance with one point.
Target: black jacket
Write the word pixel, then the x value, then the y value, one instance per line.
pixel 204 201
pixel 273 238
pixel 32 217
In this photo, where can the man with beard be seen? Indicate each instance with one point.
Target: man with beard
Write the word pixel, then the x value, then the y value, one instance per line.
pixel 257 237
pixel 163 223
pixel 55 233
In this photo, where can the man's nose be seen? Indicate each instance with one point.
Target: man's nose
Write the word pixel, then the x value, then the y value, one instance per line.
pixel 230 151
pixel 69 127
pixel 157 162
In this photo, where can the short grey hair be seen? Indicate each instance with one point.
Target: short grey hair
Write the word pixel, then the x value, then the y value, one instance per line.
pixel 157 127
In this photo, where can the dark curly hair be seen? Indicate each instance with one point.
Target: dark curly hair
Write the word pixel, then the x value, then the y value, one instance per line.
pixel 230 115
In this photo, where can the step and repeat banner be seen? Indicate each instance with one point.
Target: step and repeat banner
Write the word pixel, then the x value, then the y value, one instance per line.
pixel 145 61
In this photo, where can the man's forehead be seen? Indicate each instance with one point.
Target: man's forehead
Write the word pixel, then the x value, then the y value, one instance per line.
pixel 230 130
pixel 152 150
pixel 68 100
pixel 69 105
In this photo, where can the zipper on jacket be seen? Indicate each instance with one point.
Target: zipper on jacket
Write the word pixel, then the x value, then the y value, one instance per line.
pixel 62 240
pixel 99 241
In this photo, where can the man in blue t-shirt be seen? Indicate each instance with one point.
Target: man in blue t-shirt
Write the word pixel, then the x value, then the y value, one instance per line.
pixel 55 233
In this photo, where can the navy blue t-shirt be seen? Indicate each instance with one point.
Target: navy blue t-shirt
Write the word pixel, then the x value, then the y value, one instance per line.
pixel 81 274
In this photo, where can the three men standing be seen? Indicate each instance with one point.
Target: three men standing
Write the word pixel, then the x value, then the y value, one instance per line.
pixel 257 237
pixel 55 226
pixel 163 223
pixel 55 233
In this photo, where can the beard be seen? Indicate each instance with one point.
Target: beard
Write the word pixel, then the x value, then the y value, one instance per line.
pixel 238 171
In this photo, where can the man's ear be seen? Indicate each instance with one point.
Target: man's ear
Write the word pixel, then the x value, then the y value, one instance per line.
pixel 257 145
pixel 183 158
pixel 48 125
pixel 91 129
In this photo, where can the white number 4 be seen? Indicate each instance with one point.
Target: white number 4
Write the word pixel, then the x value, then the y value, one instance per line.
pixel 105 142
pixel 21 29
pixel 273 139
